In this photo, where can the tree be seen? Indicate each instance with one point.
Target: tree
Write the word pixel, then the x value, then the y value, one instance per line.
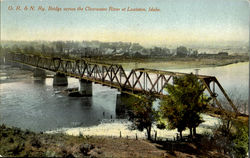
pixel 31 49
pixel 232 136
pixel 174 114
pixel 43 49
pixel 138 55
pixel 182 51
pixel 59 46
pixel 16 49
pixel 143 115
pixel 184 104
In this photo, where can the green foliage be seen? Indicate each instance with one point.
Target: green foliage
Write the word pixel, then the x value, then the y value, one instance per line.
pixel 182 51
pixel 143 115
pixel 174 114
pixel 232 136
pixel 184 104
pixel 240 141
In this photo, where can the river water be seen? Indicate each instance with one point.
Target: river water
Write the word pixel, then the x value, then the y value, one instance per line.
pixel 36 105
pixel 234 78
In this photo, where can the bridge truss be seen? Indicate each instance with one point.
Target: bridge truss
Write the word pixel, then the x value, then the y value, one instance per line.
pixel 113 75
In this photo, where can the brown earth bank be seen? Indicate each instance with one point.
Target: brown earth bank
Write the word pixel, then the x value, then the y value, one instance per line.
pixel 18 143
pixel 174 63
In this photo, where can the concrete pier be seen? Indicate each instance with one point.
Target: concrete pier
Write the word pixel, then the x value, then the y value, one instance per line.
pixel 38 73
pixel 120 103
pixel 124 102
pixel 85 88
pixel 60 80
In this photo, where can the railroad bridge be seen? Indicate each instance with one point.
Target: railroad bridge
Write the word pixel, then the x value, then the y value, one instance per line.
pixel 113 75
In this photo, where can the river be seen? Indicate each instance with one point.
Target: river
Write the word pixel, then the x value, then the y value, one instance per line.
pixel 234 78
pixel 36 105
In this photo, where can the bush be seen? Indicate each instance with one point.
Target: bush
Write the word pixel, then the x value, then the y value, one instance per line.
pixel 232 137
pixel 240 142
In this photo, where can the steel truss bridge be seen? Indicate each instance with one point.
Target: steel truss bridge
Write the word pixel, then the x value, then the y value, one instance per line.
pixel 113 75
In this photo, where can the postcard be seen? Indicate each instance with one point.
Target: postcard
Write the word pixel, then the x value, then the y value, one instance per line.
pixel 124 78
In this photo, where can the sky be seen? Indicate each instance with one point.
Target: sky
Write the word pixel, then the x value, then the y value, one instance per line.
pixel 178 22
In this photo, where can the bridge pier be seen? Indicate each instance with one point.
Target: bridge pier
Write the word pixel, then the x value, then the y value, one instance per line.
pixel 85 88
pixel 121 104
pixel 60 80
pixel 39 73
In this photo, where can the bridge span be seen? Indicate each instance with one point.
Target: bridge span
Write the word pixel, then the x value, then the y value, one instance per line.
pixel 113 75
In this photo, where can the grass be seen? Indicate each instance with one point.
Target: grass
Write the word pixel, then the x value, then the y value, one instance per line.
pixel 18 143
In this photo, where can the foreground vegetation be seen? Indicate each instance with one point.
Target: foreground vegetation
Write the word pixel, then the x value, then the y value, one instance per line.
pixel 15 142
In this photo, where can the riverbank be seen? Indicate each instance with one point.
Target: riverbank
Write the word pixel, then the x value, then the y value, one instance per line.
pixel 177 63
pixel 120 128
pixel 15 142
pixel 12 74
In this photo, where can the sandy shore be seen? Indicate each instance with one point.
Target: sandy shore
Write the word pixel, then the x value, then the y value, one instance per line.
pixel 118 127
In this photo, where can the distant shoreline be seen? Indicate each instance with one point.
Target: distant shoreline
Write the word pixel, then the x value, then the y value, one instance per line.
pixel 159 64
pixel 178 63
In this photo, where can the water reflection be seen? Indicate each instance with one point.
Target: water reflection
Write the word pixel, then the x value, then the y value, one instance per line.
pixel 39 81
